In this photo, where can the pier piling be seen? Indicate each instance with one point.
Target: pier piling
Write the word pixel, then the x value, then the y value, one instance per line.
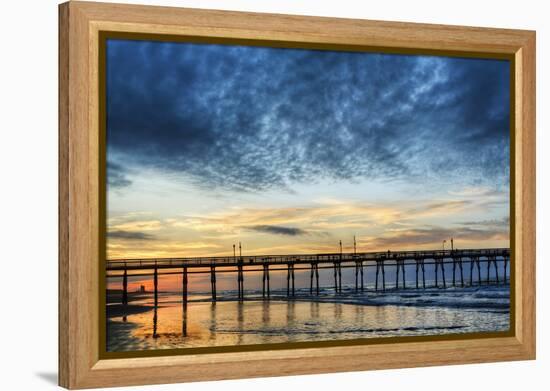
pixel 505 269
pixel 267 276
pixel 155 287
pixel 423 274
pixel 440 264
pixel 125 288
pixel 317 277
pixel 396 274
pixel 436 266
pixel 156 301
pixel 362 278
pixel 240 279
pixel 474 261
pixel 213 282
pixel 340 276
pixel 461 273
pixel 454 270
pixel 356 276
pixel 403 276
pixel 380 268
pixel 292 276
pixel 288 280
pixel 399 264
pixel 492 260
pixel 417 267
pixel 443 272
pixel 184 301
pixel 383 277
pixel 420 266
pixel 478 270
pixel 125 294
pixel 312 271
pixel 335 277
pixel 265 281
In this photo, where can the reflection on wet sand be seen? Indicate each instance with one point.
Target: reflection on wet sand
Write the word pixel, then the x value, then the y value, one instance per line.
pixel 169 324
pixel 155 321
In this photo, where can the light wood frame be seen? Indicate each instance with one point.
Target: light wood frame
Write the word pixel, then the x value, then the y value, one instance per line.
pixel 79 189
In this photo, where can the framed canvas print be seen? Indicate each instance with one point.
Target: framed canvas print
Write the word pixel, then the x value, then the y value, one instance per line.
pixel 248 195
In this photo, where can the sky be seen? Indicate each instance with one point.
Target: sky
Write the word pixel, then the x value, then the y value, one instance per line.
pixel 290 151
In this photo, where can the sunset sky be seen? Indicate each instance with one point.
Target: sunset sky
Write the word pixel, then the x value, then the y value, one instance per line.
pixel 290 151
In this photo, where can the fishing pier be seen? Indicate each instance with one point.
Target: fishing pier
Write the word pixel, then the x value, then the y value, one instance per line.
pixel 443 262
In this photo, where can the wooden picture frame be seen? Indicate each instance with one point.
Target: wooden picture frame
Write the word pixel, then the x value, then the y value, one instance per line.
pixel 80 189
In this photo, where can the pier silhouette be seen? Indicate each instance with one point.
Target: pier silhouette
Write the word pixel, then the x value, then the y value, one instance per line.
pixel 453 259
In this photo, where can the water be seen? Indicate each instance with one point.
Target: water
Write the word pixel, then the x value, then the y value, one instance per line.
pixel 347 315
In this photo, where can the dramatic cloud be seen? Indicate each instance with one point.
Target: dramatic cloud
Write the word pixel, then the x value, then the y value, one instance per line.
pixel 278 230
pixel 253 119
pixel 494 223
pixel 414 238
pixel 129 235
pixel 116 176
pixel 293 151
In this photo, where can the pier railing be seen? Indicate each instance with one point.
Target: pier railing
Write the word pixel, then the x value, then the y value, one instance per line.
pixel 384 256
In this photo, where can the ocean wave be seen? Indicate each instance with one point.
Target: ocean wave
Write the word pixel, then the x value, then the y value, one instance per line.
pixel 478 297
pixel 352 330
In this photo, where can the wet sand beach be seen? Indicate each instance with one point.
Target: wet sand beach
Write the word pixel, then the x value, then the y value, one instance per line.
pixel 348 315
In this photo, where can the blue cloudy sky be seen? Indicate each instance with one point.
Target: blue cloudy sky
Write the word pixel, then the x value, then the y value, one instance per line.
pixel 290 151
